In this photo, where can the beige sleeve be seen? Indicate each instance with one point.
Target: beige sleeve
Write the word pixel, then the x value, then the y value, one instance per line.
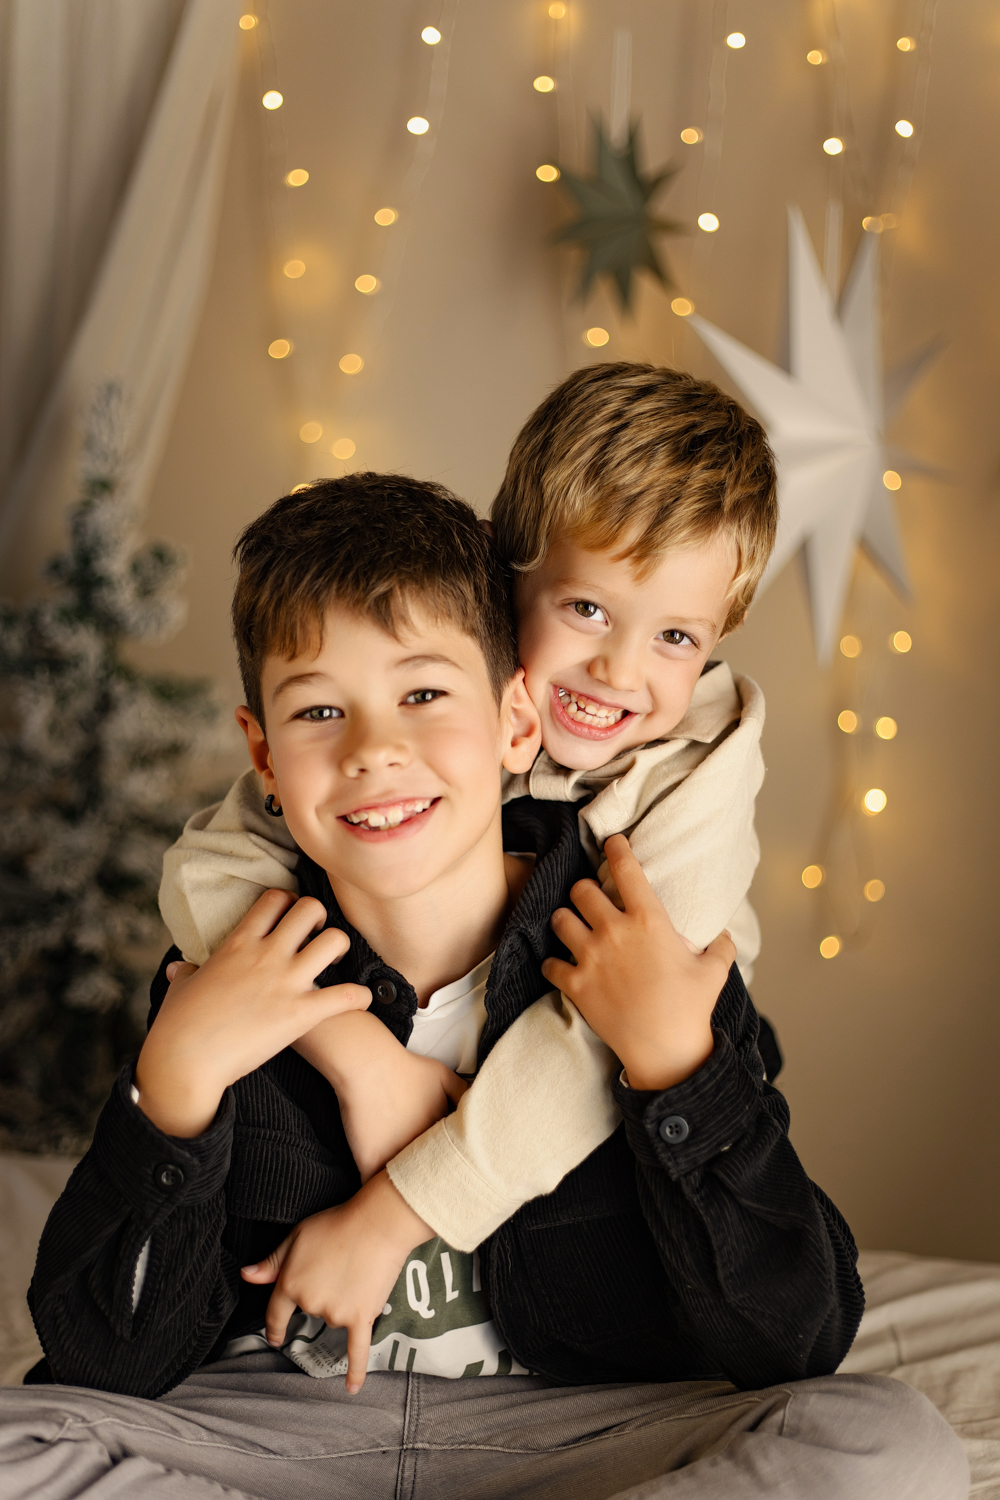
pixel 226 858
pixel 696 839
pixel 540 1103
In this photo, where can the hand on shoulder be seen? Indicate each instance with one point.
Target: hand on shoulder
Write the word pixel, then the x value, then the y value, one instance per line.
pixel 252 998
pixel 635 980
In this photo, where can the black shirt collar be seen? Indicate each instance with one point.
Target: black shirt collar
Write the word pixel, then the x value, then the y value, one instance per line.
pixel 546 829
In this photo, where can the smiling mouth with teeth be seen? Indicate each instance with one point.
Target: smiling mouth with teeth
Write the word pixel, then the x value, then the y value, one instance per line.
pixel 389 815
pixel 588 712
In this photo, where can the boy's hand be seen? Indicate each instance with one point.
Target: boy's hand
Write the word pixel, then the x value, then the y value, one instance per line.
pixel 635 981
pixel 250 1000
pixel 387 1096
pixel 340 1265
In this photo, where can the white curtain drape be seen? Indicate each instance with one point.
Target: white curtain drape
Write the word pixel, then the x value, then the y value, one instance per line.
pixel 116 121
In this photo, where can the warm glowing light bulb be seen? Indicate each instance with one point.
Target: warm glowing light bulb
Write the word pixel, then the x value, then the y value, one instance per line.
pixel 557 10
pixel 901 641
pixel 874 800
pixel 293 269
pixel 351 363
pixel 872 223
pixel 343 448
pixel 298 488
pixel 812 876
pixel 682 306
pixel 907 44
pixel 386 216
pixel 547 173
pixel 830 946
pixel 367 284
pixel 833 145
pixel 418 125
pixel 904 128
pixel 272 99
pixel 278 348
pixel 430 35
pixel 850 646
pixel 874 890
pixel 890 221
pixel 596 337
pixel 708 222
pixel 736 40
pixel 544 84
pixel 891 480
pixel 248 22
pixel 848 721
pixel 297 177
pixel 691 135
pixel 816 56
pixel 886 728
pixel 311 432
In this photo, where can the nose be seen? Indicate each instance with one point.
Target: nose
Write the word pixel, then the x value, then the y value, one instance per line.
pixel 373 745
pixel 618 666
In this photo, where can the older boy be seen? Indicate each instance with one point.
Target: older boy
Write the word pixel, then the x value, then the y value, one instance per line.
pixel 383 674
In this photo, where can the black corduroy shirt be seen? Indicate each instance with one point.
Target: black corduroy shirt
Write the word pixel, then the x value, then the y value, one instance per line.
pixel 689 1245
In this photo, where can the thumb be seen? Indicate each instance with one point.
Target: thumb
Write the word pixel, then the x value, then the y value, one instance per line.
pixel 267 1270
pixel 338 998
pixel 178 970
pixel 723 950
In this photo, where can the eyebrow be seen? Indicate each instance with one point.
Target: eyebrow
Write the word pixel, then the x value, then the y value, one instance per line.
pixel 427 659
pixel 299 679
pixel 306 679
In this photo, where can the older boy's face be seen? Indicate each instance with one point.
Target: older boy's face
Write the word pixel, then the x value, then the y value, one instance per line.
pixel 611 659
pixel 385 755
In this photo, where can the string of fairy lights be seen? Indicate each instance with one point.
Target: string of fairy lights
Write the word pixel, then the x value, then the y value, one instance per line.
pixel 376 285
pixel 844 876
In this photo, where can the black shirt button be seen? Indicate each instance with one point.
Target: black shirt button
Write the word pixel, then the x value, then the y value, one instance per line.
pixel 168 1176
pixel 674 1129
pixel 385 991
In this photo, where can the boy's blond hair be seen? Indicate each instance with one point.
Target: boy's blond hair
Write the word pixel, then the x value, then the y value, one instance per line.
pixel 638 460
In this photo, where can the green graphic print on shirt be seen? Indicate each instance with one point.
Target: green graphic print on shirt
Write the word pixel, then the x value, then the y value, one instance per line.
pixel 437 1322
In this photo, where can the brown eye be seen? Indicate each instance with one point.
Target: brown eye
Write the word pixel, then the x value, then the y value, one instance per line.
pixel 588 611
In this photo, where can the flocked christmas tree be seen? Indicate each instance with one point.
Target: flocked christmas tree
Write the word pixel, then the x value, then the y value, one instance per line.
pixel 96 765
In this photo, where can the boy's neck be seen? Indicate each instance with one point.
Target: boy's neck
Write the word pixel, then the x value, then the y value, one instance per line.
pixel 437 935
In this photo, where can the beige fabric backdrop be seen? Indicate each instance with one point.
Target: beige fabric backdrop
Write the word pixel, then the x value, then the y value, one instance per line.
pixel 892 1051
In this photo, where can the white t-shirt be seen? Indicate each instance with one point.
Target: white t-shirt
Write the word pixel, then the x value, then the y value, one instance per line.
pixel 437 1320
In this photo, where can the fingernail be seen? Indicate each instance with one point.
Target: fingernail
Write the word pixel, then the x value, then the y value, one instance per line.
pixel 251 1268
pixel 352 1390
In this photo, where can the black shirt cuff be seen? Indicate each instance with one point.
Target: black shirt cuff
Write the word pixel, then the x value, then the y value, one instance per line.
pixel 152 1171
pixel 682 1128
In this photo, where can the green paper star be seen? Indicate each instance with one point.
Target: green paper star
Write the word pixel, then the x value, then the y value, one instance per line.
pixel 615 226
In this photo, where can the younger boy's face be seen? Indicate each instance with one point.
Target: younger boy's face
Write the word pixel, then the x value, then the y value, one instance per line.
pixel 385 755
pixel 611 659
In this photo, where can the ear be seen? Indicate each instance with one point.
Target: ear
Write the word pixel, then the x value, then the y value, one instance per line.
pixel 260 753
pixel 522 726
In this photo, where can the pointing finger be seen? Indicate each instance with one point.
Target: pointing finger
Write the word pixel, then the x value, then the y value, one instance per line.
pixel 634 888
pixel 266 912
pixel 569 929
pixel 359 1342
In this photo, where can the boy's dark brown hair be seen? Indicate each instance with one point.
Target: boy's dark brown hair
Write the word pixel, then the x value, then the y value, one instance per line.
pixel 637 460
pixel 376 544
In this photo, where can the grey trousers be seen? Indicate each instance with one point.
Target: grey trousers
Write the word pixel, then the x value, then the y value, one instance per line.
pixel 252 1428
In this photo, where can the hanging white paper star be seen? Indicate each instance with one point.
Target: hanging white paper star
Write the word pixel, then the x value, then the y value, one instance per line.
pixel 825 421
